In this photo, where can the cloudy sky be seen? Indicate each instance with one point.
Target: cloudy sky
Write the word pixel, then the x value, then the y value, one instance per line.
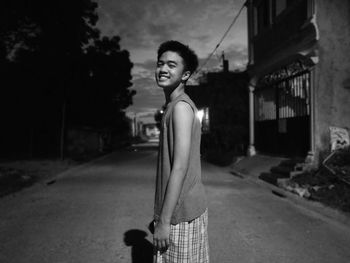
pixel 144 24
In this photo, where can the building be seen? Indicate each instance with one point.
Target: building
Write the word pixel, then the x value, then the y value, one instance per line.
pixel 143 126
pixel 151 131
pixel 222 100
pixel 299 75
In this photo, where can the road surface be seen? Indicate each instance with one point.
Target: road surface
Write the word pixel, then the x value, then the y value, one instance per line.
pixel 100 211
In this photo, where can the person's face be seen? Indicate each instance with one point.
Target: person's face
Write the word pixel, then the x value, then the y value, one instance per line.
pixel 170 70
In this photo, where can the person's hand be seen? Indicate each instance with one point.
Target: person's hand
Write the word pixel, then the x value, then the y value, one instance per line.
pixel 161 236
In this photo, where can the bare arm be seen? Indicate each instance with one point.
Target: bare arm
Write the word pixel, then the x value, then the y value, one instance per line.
pixel 182 125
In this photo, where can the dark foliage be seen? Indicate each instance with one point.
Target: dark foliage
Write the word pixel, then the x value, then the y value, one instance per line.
pixel 337 196
pixel 53 61
pixel 227 98
pixel 12 180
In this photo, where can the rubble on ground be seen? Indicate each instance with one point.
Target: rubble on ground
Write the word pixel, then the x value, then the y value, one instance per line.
pixel 330 184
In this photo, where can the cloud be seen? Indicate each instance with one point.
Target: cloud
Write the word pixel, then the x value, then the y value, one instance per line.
pixel 144 102
pixel 141 24
pixel 144 24
pixel 146 85
pixel 140 72
pixel 237 56
pixel 148 64
pixel 149 97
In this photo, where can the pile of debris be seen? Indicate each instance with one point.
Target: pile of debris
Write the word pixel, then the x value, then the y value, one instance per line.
pixel 338 163
pixel 329 185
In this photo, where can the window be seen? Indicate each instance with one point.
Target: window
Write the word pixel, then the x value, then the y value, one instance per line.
pixel 262 16
pixel 280 5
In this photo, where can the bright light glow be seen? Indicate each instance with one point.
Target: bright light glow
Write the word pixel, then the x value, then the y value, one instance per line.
pixel 200 115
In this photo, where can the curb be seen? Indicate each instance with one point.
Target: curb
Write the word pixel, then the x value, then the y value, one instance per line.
pixel 83 165
pixel 327 213
pixel 46 183
pixel 77 167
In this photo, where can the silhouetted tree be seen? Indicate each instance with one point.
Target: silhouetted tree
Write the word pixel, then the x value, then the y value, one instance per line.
pixel 106 77
pixel 47 55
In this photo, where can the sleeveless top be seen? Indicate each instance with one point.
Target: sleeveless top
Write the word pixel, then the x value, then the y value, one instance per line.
pixel 192 201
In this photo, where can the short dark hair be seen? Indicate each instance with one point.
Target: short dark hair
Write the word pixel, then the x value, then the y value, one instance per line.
pixel 188 55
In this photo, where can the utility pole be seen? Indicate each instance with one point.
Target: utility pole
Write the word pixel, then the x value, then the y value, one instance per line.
pixel 135 124
pixel 63 127
pixel 224 62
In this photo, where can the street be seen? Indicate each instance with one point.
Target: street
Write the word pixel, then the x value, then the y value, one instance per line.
pixel 100 212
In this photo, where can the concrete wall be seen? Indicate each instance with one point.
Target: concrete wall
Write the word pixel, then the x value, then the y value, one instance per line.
pixel 286 30
pixel 332 78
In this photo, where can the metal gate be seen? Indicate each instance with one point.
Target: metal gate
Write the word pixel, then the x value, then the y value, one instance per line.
pixel 282 112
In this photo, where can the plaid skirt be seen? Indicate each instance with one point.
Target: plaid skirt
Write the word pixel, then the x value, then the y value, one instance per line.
pixel 188 243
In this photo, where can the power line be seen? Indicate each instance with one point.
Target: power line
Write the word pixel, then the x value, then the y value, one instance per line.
pixel 222 39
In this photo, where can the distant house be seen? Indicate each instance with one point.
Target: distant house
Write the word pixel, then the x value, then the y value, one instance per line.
pixel 299 70
pixel 143 126
pixel 150 130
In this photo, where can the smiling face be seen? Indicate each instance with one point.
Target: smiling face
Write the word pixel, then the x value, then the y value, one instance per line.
pixel 170 72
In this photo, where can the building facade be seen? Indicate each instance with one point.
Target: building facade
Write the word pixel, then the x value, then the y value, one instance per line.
pixel 222 99
pixel 299 75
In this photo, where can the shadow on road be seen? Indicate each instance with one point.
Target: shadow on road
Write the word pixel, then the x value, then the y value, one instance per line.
pixel 141 248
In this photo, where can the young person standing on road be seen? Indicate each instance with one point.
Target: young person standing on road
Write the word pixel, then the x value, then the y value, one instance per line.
pixel 180 210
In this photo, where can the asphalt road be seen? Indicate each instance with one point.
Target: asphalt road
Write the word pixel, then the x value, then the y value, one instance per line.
pixel 100 211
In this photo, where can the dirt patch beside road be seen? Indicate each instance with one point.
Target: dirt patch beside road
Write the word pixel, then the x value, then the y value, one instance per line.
pixel 15 175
